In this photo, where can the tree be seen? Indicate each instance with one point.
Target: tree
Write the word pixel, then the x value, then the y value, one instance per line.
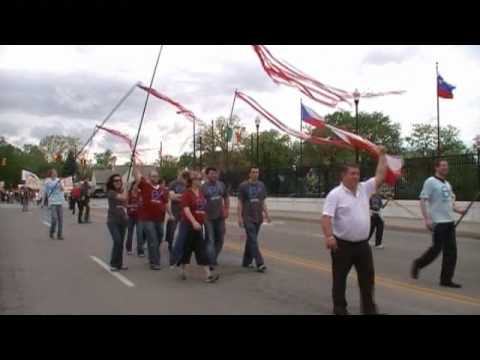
pixel 423 141
pixel 104 160
pixel 70 166
pixel 54 145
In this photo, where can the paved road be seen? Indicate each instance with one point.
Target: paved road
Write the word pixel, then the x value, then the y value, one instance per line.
pixel 43 276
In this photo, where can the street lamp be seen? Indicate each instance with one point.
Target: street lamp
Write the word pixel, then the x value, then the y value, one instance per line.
pixel 356 98
pixel 257 124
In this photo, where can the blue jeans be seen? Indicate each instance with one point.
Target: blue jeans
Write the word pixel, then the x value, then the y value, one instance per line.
pixel 179 245
pixel 118 236
pixel 153 231
pixel 56 212
pixel 133 223
pixel 252 250
pixel 170 234
pixel 215 233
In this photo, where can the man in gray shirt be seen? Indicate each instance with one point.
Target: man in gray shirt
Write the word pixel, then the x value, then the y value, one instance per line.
pixel 251 208
pixel 218 204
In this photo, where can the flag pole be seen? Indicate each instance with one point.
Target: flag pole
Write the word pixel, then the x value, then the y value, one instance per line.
pixel 301 130
pixel 194 145
pixel 438 116
pixel 143 115
pixel 228 126
pixel 122 100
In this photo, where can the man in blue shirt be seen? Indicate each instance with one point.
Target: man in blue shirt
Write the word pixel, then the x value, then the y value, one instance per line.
pixel 53 192
pixel 438 194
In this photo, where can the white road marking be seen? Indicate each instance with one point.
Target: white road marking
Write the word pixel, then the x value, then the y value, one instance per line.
pixel 120 277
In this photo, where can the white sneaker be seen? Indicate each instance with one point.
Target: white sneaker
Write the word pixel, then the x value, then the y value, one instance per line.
pixel 379 246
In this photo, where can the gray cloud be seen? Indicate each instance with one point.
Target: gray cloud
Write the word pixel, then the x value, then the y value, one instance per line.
pixel 77 95
pixel 387 56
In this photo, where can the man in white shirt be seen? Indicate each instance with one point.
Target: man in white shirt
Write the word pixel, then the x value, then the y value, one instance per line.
pixel 346 226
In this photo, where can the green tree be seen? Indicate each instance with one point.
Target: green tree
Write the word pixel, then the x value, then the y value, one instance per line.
pixel 70 166
pixel 104 160
pixel 423 141
pixel 53 145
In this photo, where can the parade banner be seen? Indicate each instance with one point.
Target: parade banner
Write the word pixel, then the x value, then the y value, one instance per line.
pixel 32 181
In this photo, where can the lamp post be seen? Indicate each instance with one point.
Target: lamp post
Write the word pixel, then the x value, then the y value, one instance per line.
pixel 356 98
pixel 257 124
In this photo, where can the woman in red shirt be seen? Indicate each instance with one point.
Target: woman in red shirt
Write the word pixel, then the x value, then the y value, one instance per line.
pixel 132 211
pixel 193 205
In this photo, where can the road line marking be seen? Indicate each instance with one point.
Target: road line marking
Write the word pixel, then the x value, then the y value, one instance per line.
pixel 120 277
pixel 309 264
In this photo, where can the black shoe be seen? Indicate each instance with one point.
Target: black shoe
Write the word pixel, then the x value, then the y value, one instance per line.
pixel 261 269
pixel 451 284
pixel 212 278
pixel 114 269
pixel 211 268
pixel 415 270
pixel 340 311
pixel 51 237
pixel 80 222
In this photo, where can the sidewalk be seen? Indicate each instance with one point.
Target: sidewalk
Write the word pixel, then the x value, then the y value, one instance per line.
pixel 465 229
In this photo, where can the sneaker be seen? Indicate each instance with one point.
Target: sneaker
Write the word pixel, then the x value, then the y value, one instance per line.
pixel 262 268
pixel 415 270
pixel 250 266
pixel 155 267
pixel 451 284
pixel 60 238
pixel 379 246
pixel 212 278
pixel 141 255
pixel 339 311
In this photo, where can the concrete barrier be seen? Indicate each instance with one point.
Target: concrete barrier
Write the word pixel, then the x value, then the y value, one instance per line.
pixel 409 209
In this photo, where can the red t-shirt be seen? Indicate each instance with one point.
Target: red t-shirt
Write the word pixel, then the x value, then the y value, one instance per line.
pixel 76 193
pixel 133 203
pixel 153 202
pixel 197 205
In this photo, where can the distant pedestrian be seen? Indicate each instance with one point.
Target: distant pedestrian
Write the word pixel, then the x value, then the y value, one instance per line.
pixel 75 198
pixel 133 223
pixel 54 196
pixel 376 220
pixel 438 194
pixel 84 203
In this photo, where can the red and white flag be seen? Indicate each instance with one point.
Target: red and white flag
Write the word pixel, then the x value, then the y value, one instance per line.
pixel 122 136
pixel 181 109
pixel 345 139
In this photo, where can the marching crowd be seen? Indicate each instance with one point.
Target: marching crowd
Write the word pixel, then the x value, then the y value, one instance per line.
pixel 196 205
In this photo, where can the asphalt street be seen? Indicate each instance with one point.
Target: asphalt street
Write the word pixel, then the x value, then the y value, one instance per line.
pixel 43 276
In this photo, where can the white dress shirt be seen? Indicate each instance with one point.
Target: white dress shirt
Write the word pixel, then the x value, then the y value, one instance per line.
pixel 350 211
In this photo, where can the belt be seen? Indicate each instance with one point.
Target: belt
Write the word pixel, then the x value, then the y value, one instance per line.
pixel 350 241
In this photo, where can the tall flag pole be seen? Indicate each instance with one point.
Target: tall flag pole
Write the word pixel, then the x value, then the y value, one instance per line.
pixel 301 130
pixel 228 126
pixel 143 115
pixel 438 116
pixel 444 91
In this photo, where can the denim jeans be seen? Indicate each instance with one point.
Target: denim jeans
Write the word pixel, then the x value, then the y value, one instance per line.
pixel 153 231
pixel 56 212
pixel 133 223
pixel 179 245
pixel 170 233
pixel 118 236
pixel 214 234
pixel 252 250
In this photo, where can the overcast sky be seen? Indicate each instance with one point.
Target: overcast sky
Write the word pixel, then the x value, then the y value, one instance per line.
pixel 68 89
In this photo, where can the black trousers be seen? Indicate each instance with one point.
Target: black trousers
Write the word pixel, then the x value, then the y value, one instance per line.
pixel 376 225
pixel 358 254
pixel 195 243
pixel 444 239
pixel 83 205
